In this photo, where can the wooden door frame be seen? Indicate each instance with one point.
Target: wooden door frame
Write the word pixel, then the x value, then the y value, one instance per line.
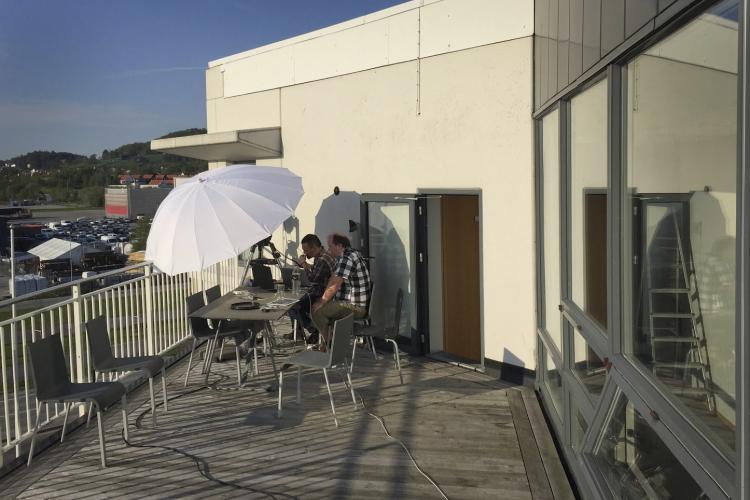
pixel 423 293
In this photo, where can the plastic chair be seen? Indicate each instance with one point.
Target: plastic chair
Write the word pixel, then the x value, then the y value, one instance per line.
pixel 213 293
pixel 388 333
pixel 335 357
pixel 367 321
pixel 202 330
pixel 53 385
pixel 105 362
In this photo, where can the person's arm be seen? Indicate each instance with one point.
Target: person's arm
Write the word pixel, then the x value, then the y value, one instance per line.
pixel 334 284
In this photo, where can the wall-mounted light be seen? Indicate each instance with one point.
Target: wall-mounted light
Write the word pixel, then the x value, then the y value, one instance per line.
pixel 353 226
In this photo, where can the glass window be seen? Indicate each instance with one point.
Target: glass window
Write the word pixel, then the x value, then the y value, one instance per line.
pixel 588 201
pixel 679 221
pixel 551 241
pixel 587 365
pixel 553 382
pixel 635 461
pixel 579 426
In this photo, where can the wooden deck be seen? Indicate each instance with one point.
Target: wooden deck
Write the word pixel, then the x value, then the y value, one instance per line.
pixel 475 436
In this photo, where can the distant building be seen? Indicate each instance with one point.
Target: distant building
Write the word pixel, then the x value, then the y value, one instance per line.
pixel 56 249
pixel 147 180
pixel 130 201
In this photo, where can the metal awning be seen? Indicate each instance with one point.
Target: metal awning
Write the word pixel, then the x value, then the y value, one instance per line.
pixel 234 146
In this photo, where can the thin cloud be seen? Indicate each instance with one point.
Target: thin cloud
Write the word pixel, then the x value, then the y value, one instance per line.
pixel 145 72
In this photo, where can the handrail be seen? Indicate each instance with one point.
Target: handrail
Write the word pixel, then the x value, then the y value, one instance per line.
pixel 62 286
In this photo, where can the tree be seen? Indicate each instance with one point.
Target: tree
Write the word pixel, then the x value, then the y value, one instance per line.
pixel 142 227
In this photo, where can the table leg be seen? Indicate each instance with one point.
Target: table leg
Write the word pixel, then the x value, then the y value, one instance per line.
pixel 211 353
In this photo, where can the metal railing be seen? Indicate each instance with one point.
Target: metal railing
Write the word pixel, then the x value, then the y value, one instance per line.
pixel 145 312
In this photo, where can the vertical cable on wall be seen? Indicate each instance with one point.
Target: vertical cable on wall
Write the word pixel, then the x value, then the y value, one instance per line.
pixel 419 58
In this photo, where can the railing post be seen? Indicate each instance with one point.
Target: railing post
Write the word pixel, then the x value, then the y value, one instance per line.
pixel 78 333
pixel 149 313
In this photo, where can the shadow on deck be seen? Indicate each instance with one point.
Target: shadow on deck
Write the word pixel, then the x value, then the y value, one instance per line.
pixel 475 436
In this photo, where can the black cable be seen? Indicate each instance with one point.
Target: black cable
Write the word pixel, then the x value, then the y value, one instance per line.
pixel 204 468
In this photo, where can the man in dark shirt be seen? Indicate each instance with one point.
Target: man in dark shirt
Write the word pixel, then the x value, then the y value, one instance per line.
pixel 319 274
pixel 348 289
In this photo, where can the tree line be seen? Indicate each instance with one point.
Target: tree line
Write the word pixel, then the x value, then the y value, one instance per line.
pixel 73 178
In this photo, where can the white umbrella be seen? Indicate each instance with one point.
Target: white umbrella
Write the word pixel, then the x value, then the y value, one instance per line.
pixel 218 214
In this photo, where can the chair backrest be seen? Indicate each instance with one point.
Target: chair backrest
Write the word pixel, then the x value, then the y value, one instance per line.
pixel 341 341
pixel 393 332
pixel 48 367
pixel 198 326
pixel 213 293
pixel 370 298
pixel 99 345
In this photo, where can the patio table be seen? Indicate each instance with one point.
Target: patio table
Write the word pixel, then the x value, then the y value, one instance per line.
pixel 271 309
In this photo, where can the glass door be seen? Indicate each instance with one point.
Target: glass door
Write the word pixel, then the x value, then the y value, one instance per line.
pixel 390 241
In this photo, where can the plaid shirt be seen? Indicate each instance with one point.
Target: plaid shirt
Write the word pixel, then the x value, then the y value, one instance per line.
pixel 356 286
pixel 321 272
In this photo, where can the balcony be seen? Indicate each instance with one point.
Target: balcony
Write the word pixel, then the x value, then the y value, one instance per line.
pixel 474 435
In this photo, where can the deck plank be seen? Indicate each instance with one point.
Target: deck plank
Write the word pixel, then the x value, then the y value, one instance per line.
pixel 461 427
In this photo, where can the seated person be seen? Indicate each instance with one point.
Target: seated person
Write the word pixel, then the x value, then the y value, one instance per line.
pixel 348 289
pixel 318 275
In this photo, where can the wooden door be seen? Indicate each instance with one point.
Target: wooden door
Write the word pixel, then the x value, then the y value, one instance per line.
pixel 460 246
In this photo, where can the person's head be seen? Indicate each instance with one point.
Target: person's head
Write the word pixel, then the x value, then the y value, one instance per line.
pixel 311 246
pixel 337 243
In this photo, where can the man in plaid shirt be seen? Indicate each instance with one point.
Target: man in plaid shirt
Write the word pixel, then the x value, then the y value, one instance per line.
pixel 319 274
pixel 348 289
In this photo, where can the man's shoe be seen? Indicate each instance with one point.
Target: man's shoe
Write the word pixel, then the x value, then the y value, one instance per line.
pixel 312 339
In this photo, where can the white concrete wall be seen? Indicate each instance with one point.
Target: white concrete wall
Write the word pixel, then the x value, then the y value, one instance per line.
pixel 359 110
pixel 399 34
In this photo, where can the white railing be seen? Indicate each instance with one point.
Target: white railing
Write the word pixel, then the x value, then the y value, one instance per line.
pixel 146 315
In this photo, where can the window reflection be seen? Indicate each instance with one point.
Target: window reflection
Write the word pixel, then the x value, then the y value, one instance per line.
pixel 587 365
pixel 588 201
pixel 637 464
pixel 680 215
pixel 551 221
pixel 553 381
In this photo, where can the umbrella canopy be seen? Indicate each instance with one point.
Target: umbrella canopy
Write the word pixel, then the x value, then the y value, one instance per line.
pixel 218 214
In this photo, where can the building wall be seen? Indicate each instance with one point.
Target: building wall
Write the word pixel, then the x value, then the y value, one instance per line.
pixel 460 120
pixel 572 36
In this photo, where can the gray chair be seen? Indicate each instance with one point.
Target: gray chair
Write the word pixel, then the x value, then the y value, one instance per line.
pixel 201 330
pixel 105 362
pixel 53 385
pixel 213 293
pixel 387 333
pixel 365 322
pixel 334 358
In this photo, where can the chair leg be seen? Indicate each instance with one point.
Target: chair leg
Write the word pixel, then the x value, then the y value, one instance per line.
pixel 330 396
pixel 124 404
pixel 294 330
pixel 33 438
pixel 65 422
pixel 211 353
pixel 281 388
pixel 102 442
pixel 153 402
pixel 398 359
pixel 255 360
pixel 91 410
pixel 164 388
pixel 299 385
pixel 209 347
pixel 354 353
pixel 351 387
pixel 190 361
pixel 239 371
pixel 221 349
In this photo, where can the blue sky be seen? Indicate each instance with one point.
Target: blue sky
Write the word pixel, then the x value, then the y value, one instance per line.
pixel 88 75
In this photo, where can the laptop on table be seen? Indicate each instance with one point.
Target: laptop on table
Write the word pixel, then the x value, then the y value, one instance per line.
pixel 262 277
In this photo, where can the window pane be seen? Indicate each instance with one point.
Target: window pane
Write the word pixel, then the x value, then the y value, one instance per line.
pixel 680 200
pixel 578 430
pixel 635 461
pixel 553 382
pixel 551 243
pixel 588 201
pixel 587 365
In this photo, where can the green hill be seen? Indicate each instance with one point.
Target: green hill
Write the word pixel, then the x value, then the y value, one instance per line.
pixel 74 178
